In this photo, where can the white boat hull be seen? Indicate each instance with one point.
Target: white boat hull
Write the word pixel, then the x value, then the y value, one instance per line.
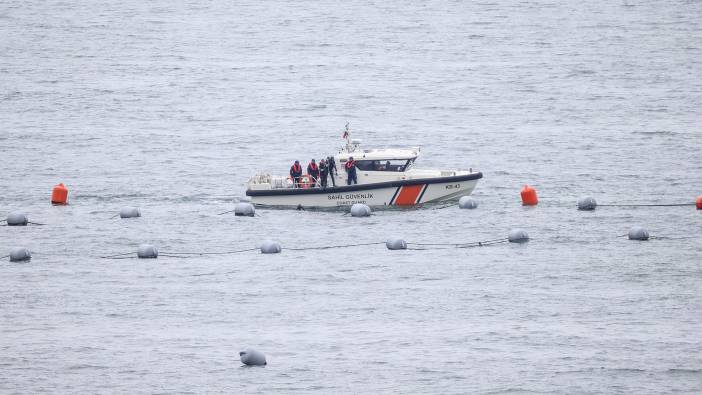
pixel 397 193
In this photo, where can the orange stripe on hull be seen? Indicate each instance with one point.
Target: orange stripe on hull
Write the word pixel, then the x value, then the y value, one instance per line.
pixel 408 195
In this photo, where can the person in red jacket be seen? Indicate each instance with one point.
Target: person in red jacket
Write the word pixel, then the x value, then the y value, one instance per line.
pixel 350 167
pixel 313 171
pixel 296 173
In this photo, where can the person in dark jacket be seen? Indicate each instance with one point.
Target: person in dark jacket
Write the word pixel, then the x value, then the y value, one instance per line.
pixel 350 167
pixel 313 171
pixel 331 164
pixel 296 173
pixel 323 172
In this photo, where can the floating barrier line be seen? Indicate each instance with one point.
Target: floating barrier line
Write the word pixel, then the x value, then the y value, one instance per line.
pixel 451 246
pixel 482 243
pixel 444 206
pixel 6 256
pixel 674 238
pixel 185 254
pixel 334 246
pixel 647 205
pixel 178 254
pixel 458 244
pixel 231 211
pixel 116 255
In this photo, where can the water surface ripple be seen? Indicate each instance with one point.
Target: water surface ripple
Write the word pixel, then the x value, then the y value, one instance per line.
pixel 171 106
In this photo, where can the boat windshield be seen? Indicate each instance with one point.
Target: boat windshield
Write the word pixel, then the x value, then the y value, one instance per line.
pixel 384 165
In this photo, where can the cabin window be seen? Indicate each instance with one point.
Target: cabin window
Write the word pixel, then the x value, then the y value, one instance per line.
pixel 383 165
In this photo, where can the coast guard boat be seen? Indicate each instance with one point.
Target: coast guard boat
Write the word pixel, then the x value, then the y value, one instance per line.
pixel 386 177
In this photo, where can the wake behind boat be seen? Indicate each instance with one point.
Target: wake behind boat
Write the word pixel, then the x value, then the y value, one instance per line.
pixel 385 177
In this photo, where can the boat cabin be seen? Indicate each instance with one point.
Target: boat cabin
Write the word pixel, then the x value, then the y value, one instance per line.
pixel 388 159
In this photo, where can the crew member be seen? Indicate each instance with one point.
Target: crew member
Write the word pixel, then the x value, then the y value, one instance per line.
pixel 331 164
pixel 323 172
pixel 296 173
pixel 313 171
pixel 350 167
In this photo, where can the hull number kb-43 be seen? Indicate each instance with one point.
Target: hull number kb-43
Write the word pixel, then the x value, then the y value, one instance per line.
pixel 453 186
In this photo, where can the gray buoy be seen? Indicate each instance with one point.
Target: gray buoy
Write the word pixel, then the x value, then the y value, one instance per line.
pixel 518 236
pixel 467 202
pixel 270 247
pixel 147 251
pixel 396 244
pixel 17 218
pixel 252 357
pixel 638 233
pixel 20 254
pixel 360 210
pixel 244 210
pixel 129 212
pixel 587 203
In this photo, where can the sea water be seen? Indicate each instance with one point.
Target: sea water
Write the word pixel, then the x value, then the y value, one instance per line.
pixel 171 106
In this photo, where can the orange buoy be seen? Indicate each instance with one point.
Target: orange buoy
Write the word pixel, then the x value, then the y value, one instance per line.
pixel 698 203
pixel 59 195
pixel 529 196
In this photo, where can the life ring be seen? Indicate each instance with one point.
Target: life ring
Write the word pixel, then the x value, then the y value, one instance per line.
pixel 306 181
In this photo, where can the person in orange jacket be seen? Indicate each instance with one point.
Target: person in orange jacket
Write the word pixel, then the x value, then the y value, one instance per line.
pixel 313 171
pixel 296 173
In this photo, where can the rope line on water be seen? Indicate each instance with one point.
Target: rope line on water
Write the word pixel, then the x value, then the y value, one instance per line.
pixel 448 246
pixel 443 207
pixel 652 237
pixel 174 254
pixel 212 274
pixel 647 205
pixel 226 212
pixel 459 244
pixel 6 256
pixel 185 254
pixel 116 255
pixel 231 211
pixel 420 246
pixel 334 246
